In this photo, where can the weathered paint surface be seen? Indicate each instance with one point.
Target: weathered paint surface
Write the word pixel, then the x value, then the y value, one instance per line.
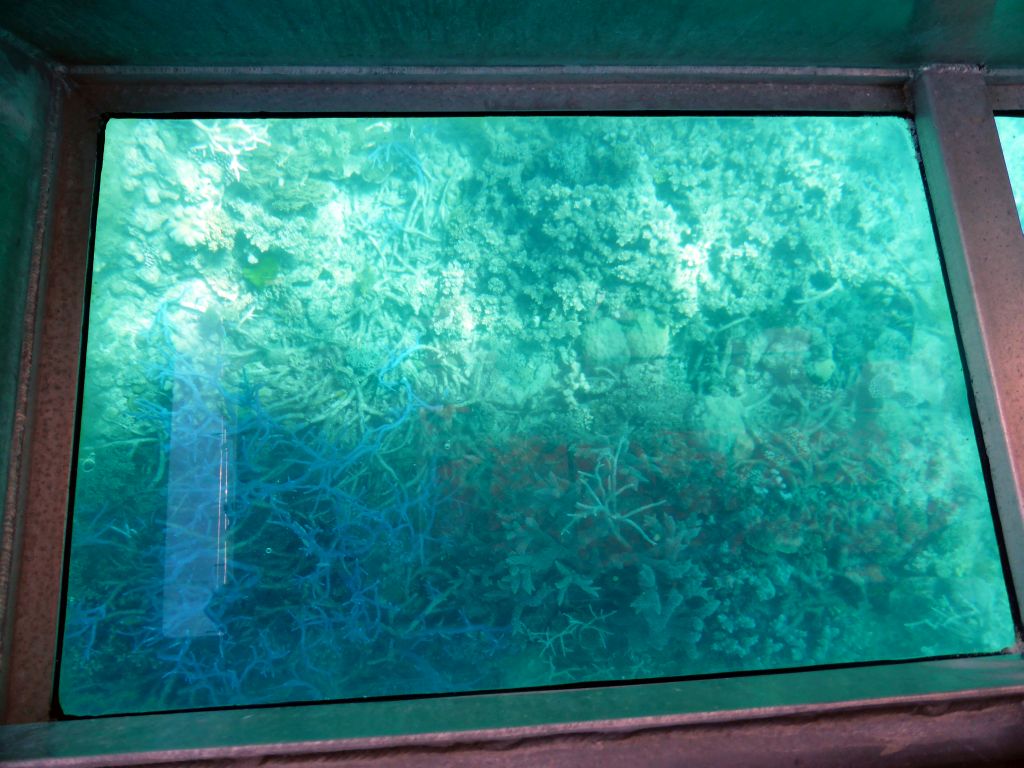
pixel 871 33
pixel 24 93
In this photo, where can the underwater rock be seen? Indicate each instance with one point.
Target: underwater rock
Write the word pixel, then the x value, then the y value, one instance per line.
pixel 605 344
pixel 723 423
pixel 514 385
pixel 646 337
pixel 776 537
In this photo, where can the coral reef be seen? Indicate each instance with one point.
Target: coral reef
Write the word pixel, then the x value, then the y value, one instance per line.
pixel 394 406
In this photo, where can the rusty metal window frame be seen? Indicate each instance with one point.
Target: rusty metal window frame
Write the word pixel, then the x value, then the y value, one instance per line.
pixel 983 250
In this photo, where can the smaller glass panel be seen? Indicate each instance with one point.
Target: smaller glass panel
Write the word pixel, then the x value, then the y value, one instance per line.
pixel 1011 136
pixel 415 405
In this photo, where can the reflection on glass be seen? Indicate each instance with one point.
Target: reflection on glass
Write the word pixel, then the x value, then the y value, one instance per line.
pixel 397 406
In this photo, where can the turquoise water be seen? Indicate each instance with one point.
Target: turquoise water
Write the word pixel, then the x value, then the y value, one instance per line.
pixel 1011 135
pixel 414 405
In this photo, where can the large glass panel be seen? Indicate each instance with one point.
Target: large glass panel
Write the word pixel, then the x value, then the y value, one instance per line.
pixel 413 405
pixel 1011 136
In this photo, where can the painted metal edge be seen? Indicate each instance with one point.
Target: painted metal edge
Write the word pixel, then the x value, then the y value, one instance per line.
pixel 1004 75
pixel 50 415
pixel 445 91
pixel 978 732
pixel 983 248
pixel 1007 97
pixel 1006 88
pixel 511 722
pixel 14 500
pixel 530 74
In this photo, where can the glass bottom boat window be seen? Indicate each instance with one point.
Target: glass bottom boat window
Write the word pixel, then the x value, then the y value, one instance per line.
pixel 396 406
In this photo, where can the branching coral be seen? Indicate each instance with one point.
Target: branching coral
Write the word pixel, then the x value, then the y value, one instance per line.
pixel 603 490
pixel 232 138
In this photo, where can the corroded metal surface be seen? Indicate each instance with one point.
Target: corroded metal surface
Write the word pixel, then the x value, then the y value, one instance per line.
pixel 28 135
pixel 53 397
pixel 164 90
pixel 975 727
